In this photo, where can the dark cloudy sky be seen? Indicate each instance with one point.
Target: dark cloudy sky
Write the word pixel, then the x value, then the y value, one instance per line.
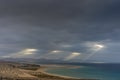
pixel 73 30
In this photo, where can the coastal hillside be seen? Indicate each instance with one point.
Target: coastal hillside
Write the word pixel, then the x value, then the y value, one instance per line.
pixel 21 71
pixel 11 72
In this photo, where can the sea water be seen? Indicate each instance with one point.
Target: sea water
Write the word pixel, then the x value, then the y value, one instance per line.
pixel 90 71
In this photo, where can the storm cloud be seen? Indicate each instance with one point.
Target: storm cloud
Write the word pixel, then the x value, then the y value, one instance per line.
pixel 65 25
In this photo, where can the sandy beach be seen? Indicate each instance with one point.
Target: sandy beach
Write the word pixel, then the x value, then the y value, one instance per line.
pixel 13 71
pixel 42 74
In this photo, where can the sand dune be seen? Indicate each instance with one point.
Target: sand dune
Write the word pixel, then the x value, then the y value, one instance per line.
pixel 10 71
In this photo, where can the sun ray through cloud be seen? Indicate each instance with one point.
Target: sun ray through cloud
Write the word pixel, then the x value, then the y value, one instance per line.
pixel 72 56
pixel 95 49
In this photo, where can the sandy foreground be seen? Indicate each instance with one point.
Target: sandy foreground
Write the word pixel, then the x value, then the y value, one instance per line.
pixel 15 71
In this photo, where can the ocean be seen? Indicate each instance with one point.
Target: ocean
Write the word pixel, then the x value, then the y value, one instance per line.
pixel 92 71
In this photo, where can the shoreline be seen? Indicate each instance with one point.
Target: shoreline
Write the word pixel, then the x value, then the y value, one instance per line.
pixel 14 71
pixel 57 75
pixel 47 67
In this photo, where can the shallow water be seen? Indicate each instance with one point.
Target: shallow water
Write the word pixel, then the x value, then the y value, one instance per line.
pixel 102 72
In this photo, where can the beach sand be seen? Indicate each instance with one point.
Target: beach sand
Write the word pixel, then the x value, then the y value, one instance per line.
pixel 13 71
pixel 43 75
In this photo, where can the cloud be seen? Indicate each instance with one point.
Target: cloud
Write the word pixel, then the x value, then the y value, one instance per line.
pixel 21 54
pixel 56 52
pixel 63 25
pixel 72 56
